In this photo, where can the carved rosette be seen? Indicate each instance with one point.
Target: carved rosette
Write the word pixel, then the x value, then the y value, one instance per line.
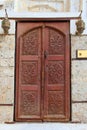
pixel 30 43
pixel 56 42
pixel 56 102
pixel 29 73
pixel 29 103
pixel 56 72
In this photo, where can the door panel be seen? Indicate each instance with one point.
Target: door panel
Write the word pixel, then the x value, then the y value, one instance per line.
pixel 56 96
pixel 28 87
pixel 42 71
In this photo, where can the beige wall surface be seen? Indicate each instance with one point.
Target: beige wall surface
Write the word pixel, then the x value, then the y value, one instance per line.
pixel 7 56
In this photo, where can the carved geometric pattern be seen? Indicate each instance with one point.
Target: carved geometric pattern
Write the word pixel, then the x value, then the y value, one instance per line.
pixel 29 72
pixel 30 43
pixel 56 43
pixel 29 103
pixel 56 72
pixel 56 102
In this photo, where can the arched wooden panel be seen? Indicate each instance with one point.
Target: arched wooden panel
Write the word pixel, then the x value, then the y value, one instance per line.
pixel 28 86
pixel 56 95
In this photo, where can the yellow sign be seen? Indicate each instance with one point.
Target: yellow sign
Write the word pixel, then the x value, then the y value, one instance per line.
pixel 82 54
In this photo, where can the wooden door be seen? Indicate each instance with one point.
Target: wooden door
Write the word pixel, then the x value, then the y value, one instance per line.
pixel 56 91
pixel 42 71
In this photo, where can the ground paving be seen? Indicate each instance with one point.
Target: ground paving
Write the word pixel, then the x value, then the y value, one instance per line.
pixel 43 126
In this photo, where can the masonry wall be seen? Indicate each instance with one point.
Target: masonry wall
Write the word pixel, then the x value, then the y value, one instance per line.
pixel 7 64
pixel 78 80
pixel 7 75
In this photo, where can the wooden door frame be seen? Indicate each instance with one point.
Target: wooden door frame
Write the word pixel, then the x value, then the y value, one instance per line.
pixel 16 57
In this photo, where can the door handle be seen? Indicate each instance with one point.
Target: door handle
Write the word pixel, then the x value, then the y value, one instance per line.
pixel 45 54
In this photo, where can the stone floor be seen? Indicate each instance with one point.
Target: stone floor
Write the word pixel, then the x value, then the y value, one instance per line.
pixel 43 126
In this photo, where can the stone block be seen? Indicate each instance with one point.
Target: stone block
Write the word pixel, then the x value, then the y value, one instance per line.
pixel 7 71
pixel 6 114
pixel 79 112
pixel 7 42
pixel 78 42
pixel 75 5
pixel 9 4
pixel 7 46
pixel 6 90
pixel 7 54
pixel 6 62
pixel 79 80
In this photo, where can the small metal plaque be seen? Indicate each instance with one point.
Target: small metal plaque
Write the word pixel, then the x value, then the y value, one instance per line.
pixel 82 54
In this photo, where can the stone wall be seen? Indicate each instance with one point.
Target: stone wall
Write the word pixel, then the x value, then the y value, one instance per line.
pixel 7 61
pixel 7 44
pixel 78 80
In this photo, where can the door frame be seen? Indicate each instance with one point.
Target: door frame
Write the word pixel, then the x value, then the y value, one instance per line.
pixel 16 57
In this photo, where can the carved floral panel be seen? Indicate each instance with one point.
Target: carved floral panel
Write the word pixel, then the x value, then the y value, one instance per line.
pixel 29 103
pixel 41 5
pixel 56 42
pixel 56 72
pixel 30 43
pixel 56 102
pixel 29 73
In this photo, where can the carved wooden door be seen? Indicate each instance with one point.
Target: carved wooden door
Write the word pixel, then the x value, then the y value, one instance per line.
pixel 42 72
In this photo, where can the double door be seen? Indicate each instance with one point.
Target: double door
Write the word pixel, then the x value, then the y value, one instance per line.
pixel 42 71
